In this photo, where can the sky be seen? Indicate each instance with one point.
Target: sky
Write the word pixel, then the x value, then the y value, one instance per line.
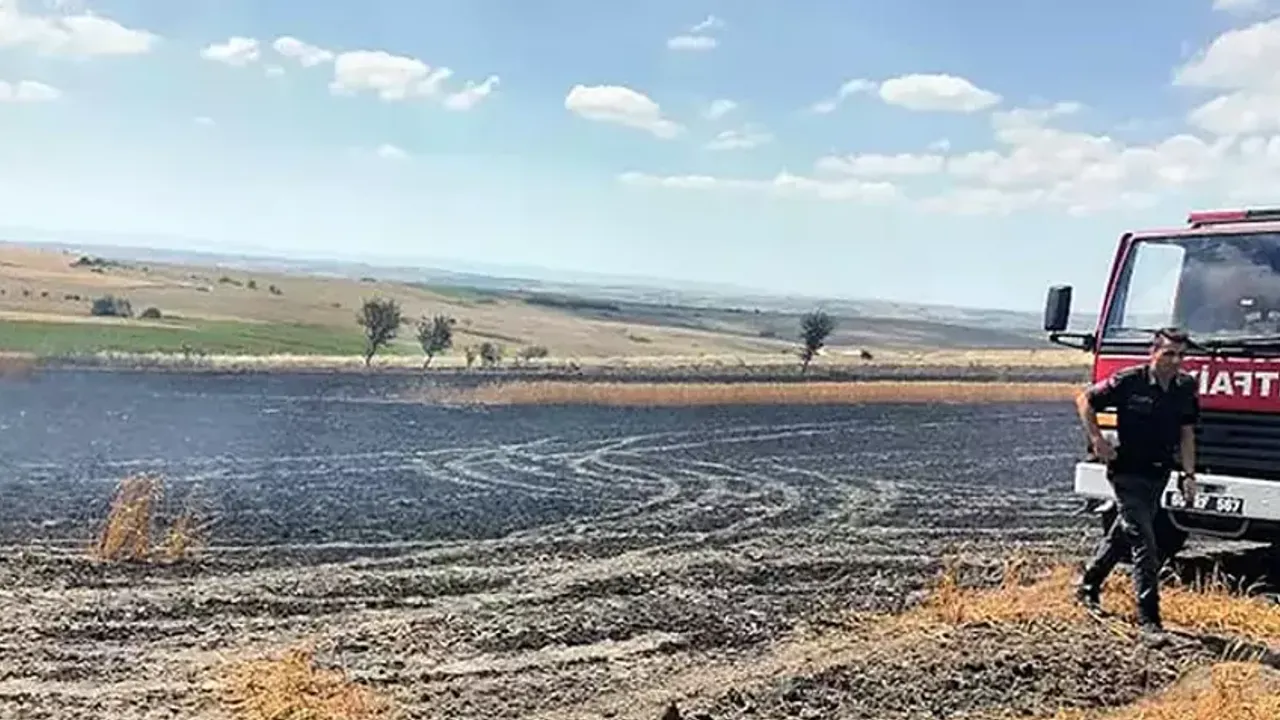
pixel 963 153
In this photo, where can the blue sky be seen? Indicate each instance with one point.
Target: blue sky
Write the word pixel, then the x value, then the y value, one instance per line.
pixel 982 152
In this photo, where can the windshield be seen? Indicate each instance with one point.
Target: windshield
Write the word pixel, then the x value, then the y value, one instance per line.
pixel 1215 286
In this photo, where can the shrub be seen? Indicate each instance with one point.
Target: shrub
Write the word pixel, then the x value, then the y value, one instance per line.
pixel 151 313
pixel 490 353
pixel 111 306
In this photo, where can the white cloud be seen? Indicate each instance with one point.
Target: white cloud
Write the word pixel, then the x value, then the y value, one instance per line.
pixel 936 93
pixel 744 139
pixel 875 165
pixel 236 52
pixel 710 23
pixel 472 94
pixel 305 54
pixel 387 151
pixel 80 35
pixel 719 108
pixel 27 91
pixel 1244 64
pixel 920 92
pixel 850 87
pixel 1241 7
pixel 942 145
pixel 783 185
pixel 692 42
pixel 273 71
pixel 204 121
pixel 621 106
pixel 391 77
pixel 697 38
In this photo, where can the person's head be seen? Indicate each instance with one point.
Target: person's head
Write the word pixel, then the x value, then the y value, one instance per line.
pixel 1167 349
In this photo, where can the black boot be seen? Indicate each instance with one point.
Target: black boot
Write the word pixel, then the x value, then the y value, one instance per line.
pixel 1090 597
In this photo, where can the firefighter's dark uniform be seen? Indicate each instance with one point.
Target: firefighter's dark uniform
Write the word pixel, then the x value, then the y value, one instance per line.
pixel 1149 421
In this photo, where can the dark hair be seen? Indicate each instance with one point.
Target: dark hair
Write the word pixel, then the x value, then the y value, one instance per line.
pixel 1170 335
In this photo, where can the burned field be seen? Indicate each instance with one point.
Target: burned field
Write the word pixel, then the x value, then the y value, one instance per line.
pixel 536 561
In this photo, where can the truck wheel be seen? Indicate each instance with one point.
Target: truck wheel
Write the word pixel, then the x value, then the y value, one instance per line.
pixel 1169 538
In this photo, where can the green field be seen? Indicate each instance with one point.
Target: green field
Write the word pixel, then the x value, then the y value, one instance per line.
pixel 214 338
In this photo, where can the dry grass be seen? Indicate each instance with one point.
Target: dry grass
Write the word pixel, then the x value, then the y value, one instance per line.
pixel 129 532
pixel 1226 691
pixel 292 687
pixel 760 393
pixel 1026 594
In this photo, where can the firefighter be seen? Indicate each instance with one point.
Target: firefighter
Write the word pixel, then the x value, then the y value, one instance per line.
pixel 1157 410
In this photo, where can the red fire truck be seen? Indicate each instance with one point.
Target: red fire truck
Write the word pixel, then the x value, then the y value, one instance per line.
pixel 1218 277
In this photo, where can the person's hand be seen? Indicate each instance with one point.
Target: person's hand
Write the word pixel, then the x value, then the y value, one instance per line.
pixel 1103 448
pixel 1187 484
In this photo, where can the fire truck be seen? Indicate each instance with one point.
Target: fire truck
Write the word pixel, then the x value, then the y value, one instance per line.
pixel 1218 278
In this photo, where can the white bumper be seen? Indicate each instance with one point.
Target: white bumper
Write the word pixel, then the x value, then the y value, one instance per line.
pixel 1221 495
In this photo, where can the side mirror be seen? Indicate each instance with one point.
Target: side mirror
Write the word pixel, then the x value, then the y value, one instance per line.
pixel 1057 308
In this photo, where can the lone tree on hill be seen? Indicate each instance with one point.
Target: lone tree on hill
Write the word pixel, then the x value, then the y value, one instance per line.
pixel 815 327
pixel 435 336
pixel 381 320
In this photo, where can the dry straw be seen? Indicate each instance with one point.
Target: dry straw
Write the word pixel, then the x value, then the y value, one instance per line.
pixel 1026 595
pixel 129 532
pixel 1226 691
pixel 291 685
pixel 552 392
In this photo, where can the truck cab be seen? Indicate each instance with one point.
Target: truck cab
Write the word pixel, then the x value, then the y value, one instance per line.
pixel 1218 278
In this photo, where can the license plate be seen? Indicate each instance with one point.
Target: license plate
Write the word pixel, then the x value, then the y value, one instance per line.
pixel 1204 502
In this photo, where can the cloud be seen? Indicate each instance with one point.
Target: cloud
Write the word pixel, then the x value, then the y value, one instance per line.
pixel 236 52
pixel 27 91
pixel 273 71
pixel 472 94
pixel 744 139
pixel 850 87
pixel 387 151
pixel 390 77
pixel 936 93
pixel 1244 66
pixel 925 93
pixel 719 108
pixel 1241 7
pixel 78 35
pixel 697 38
pixel 305 54
pixel 710 23
pixel 620 106
pixel 204 121
pixel 875 165
pixel 783 185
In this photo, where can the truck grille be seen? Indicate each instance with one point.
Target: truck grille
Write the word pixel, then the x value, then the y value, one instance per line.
pixel 1239 443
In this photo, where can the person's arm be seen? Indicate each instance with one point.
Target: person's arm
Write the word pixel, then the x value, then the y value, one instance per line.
pixel 1101 394
pixel 1187 444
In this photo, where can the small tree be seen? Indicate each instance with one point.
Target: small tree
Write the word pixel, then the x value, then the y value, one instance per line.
pixel 532 352
pixel 490 353
pixel 381 320
pixel 815 327
pixel 435 336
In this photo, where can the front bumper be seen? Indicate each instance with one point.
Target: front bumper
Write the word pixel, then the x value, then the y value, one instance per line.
pixel 1229 497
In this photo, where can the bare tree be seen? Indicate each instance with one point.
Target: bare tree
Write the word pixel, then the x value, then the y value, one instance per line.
pixel 435 336
pixel 815 327
pixel 381 320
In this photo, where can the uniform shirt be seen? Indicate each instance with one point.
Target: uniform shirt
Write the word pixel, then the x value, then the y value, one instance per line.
pixel 1149 418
